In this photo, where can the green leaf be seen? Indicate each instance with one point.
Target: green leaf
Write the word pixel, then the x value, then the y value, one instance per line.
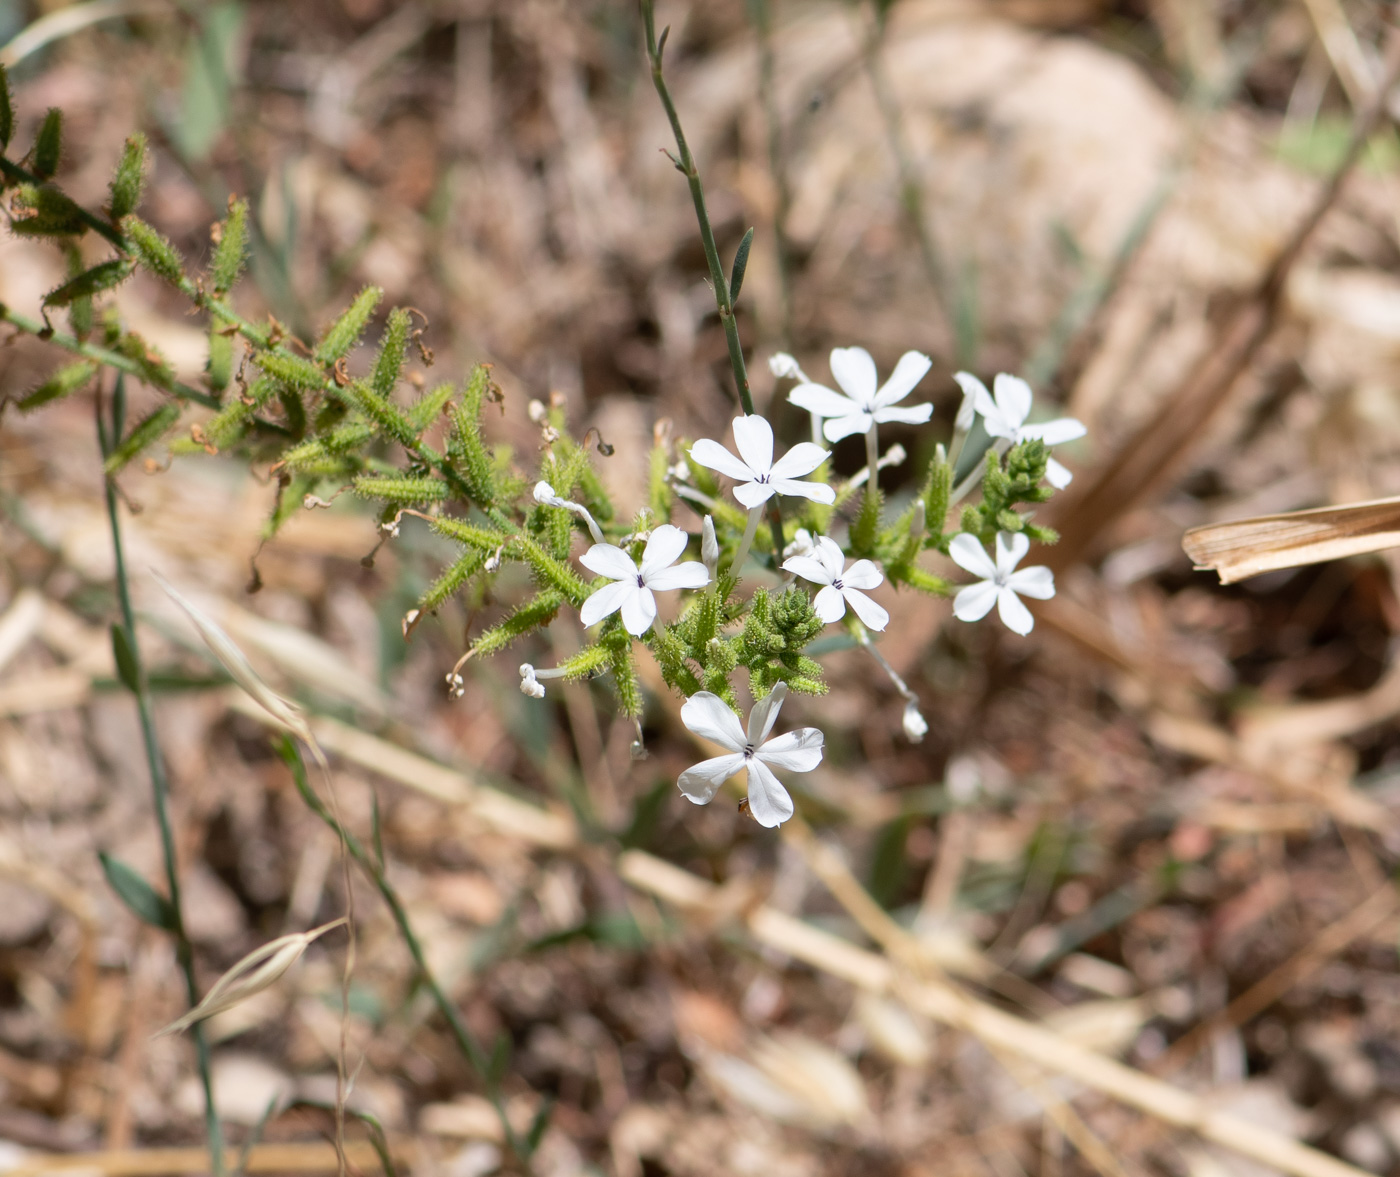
pixel 209 62
pixel 218 368
pixel 101 277
pixel 128 669
pixel 499 1062
pixel 49 213
pixel 129 177
pixel 741 264
pixel 48 145
pixel 389 363
pixel 539 1125
pixel 345 332
pixel 7 111
pixel 146 904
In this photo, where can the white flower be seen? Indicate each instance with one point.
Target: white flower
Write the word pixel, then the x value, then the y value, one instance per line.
pixel 801 544
pixel 708 715
pixel 915 725
pixel 709 546
pixel 529 684
pixel 1000 581
pixel 545 496
pixel 782 365
pixel 758 476
pixel 863 405
pixel 827 566
pixel 1005 416
pixel 633 585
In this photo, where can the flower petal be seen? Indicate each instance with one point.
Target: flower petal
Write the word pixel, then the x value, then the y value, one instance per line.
pixel 1012 547
pixel 833 559
pixel 754 494
pixel 809 568
pixel 711 718
pixel 1056 432
pixel 854 370
pixel 994 420
pixel 863 574
pixel 824 401
pixel 1014 615
pixel 1013 397
pixel 797 751
pixel 638 610
pixel 701 782
pixel 715 457
pixel 802 459
pixel 910 415
pixel 818 492
pixel 972 388
pixel 691 574
pixel 1057 475
pixel 753 437
pixel 610 561
pixel 912 368
pixel 969 555
pixel 768 800
pixel 606 601
pixel 765 714
pixel 839 427
pixel 663 549
pixel 872 614
pixel 829 605
pixel 975 601
pixel 1037 582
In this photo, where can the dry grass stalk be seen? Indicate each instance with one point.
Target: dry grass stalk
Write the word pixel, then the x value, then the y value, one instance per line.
pixel 150 1162
pixel 1246 547
pixel 1000 1032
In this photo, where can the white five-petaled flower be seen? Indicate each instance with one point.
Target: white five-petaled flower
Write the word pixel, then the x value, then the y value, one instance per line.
pixel 1000 582
pixel 864 405
pixel 633 584
pixel 1004 415
pixel 708 716
pixel 827 566
pixel 758 476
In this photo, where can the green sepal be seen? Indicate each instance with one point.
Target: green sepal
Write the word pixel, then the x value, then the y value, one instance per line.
pixel 293 371
pixel 48 145
pixel 218 368
pixel 402 492
pixel 153 251
pixel 101 277
pixel 148 429
pixel 139 897
pixel 231 249
pixel 127 181
pixel 391 422
pixel 466 446
pixel 392 348
pixel 549 571
pixel 428 407
pixel 345 332
pixel 52 213
pixel 67 379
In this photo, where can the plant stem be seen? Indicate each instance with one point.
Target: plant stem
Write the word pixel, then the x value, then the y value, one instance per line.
pixel 466 1043
pixel 100 355
pixel 750 530
pixel 160 790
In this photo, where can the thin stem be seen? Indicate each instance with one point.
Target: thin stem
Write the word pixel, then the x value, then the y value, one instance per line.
pixel 160 791
pixel 100 355
pixel 471 1049
pixel 685 164
pixel 872 458
pixel 750 530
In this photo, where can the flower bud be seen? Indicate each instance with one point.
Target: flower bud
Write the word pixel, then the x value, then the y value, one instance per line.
pixel 529 684
pixel 544 495
pixel 783 365
pixel 915 725
pixel 709 546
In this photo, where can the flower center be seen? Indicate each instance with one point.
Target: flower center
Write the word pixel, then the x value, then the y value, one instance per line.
pixel 748 751
pixel 837 585
pixel 640 582
pixel 760 478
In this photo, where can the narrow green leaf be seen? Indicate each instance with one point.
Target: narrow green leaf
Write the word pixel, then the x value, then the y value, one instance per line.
pixel 218 368
pixel 500 1061
pixel 345 332
pixel 67 379
pixel 293 371
pixel 741 264
pixel 389 363
pixel 128 671
pixel 101 277
pixel 145 903
pixel 129 177
pixel 46 212
pixel 48 145
pixel 153 251
pixel 7 111
pixel 539 1125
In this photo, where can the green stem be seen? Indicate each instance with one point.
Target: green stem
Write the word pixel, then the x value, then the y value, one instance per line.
pixel 100 355
pixel 750 530
pixel 466 1042
pixel 160 791
pixel 686 166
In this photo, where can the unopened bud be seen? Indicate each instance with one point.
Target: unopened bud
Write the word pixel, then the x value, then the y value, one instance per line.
pixel 915 725
pixel 529 684
pixel 801 544
pixel 783 365
pixel 709 546
pixel 536 411
pixel 918 521
pixel 544 493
